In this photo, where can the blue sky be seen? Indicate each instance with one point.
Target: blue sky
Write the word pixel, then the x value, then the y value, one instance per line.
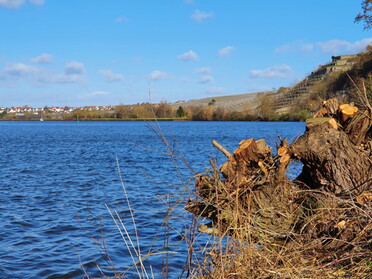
pixel 79 52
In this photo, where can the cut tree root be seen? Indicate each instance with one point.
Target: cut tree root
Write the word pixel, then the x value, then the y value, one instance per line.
pixel 324 214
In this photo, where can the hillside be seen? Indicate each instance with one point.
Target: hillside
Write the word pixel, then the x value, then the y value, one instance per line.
pixel 328 80
pixel 228 102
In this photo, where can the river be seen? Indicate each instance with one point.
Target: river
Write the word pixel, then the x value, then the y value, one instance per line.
pixel 59 181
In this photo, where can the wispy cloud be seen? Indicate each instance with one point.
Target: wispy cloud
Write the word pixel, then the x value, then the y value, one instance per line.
pixel 204 70
pixel 341 46
pixel 121 19
pixel 74 68
pixel 296 46
pixel 44 58
pixel 189 1
pixel 215 90
pixel 205 79
pixel 185 79
pixel 18 71
pixel 95 95
pixel 188 56
pixel 11 3
pixel 276 71
pixel 17 3
pixel 98 93
pixel 225 51
pixel 199 16
pixel 37 2
pixel 326 47
pixel 73 72
pixel 110 76
pixel 159 75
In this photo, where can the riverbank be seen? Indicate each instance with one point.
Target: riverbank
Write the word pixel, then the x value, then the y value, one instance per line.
pixel 297 116
pixel 316 226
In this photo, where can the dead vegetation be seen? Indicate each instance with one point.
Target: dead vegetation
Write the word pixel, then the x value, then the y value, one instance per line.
pixel 317 226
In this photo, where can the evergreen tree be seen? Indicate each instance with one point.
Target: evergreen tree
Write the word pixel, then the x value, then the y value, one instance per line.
pixel 180 112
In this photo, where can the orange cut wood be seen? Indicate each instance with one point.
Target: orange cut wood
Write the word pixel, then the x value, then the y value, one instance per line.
pixel 333 123
pixel 364 198
pixel 284 159
pixel 247 151
pixel 262 167
pixel 347 111
pixel 320 113
pixel 282 151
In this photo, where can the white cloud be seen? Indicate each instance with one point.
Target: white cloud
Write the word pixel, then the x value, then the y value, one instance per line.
pixel 332 46
pixel 306 48
pixel 44 58
pixel 199 16
pixel 205 79
pixel 189 1
pixel 204 70
pixel 60 78
pixel 73 72
pixel 225 51
pixel 121 19
pixel 296 46
pixel 111 76
pixel 74 68
pixel 188 56
pixel 341 46
pixel 276 71
pixel 18 70
pixel 159 75
pixel 11 3
pixel 37 2
pixel 215 90
pixel 17 3
pixel 327 47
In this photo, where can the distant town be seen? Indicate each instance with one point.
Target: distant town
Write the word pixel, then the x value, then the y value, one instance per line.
pixel 38 111
pixel 55 112
pixel 162 110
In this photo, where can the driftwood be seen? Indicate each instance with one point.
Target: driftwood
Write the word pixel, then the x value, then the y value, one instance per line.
pixel 327 206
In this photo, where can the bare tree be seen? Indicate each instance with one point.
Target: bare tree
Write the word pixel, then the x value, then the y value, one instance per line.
pixel 365 16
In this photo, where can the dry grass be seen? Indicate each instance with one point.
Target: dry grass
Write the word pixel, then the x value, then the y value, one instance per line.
pixel 328 237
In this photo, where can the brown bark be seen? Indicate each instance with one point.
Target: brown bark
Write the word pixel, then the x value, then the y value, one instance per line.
pixel 331 161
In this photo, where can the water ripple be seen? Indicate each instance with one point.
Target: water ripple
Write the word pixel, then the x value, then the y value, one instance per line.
pixel 57 177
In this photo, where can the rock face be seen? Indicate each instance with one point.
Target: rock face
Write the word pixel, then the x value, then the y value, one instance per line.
pixel 326 209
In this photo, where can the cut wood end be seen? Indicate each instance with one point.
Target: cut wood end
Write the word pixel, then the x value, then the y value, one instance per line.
pixel 320 113
pixel 333 124
pixel 340 225
pixel 244 143
pixel 262 167
pixel 282 151
pixel 246 147
pixel 348 109
pixel 284 159
pixel 364 197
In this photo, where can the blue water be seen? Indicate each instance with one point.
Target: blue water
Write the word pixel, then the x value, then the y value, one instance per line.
pixel 56 179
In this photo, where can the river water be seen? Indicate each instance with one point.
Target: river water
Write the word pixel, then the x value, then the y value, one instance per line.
pixel 59 181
